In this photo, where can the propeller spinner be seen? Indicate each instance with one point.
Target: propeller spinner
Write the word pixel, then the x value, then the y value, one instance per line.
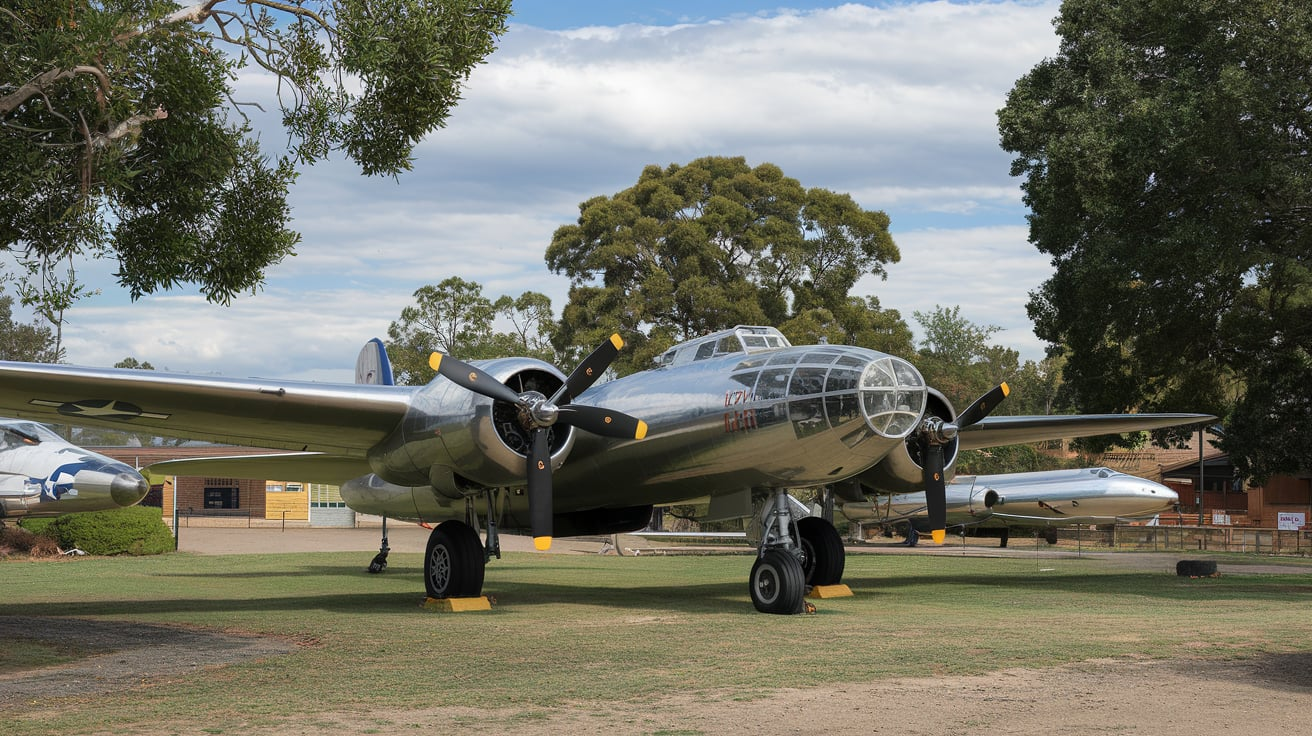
pixel 538 413
pixel 934 434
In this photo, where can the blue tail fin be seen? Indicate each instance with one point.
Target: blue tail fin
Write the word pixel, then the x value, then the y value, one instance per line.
pixel 372 366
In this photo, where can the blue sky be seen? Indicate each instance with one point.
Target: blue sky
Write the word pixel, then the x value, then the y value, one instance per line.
pixel 894 103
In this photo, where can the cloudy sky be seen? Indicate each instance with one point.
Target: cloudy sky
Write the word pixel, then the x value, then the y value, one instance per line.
pixel 893 102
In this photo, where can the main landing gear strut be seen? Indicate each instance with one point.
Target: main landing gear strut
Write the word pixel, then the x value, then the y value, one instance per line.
pixel 797 551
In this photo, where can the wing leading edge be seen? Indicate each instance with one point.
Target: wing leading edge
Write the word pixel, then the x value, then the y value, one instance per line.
pixel 339 419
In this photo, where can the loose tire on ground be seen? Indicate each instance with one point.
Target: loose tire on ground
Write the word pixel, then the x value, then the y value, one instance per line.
pixel 1195 568
pixel 777 583
pixel 453 562
pixel 823 556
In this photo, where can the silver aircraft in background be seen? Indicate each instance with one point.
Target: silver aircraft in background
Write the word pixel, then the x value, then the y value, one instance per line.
pixel 1045 500
pixel 734 419
pixel 42 474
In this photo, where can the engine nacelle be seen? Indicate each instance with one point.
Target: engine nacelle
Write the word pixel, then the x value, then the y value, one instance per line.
pixel 456 440
pixel 901 471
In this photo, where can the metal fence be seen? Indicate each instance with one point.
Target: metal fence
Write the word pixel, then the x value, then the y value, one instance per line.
pixel 1214 539
pixel 1185 538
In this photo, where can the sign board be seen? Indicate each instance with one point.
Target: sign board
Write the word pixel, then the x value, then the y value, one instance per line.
pixel 1220 518
pixel 1290 520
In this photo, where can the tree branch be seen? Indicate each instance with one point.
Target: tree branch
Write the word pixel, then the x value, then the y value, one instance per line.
pixel 131 125
pixel 46 79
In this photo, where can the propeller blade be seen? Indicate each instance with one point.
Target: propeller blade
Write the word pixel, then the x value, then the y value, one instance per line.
pixel 589 370
pixel 466 375
pixel 982 406
pixel 539 490
pixel 936 492
pixel 604 422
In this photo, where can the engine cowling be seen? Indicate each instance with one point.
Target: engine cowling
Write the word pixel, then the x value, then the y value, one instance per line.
pixel 456 440
pixel 901 470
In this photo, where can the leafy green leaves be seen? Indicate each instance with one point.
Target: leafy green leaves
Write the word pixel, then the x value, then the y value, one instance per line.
pixel 120 137
pixel 696 248
pixel 1166 162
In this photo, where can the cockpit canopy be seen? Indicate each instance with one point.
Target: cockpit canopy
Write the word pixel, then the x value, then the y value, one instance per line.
pixel 738 340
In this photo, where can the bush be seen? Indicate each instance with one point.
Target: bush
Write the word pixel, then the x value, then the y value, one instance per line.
pixel 18 541
pixel 136 530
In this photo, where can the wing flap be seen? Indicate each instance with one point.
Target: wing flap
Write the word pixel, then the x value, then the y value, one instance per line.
pixel 308 467
pixel 999 431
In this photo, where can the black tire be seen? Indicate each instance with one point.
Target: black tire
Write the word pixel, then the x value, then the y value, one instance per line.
pixel 1195 568
pixel 1050 536
pixel 453 562
pixel 777 584
pixel 823 556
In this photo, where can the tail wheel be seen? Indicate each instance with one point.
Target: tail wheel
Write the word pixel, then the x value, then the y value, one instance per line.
pixel 823 557
pixel 777 582
pixel 453 562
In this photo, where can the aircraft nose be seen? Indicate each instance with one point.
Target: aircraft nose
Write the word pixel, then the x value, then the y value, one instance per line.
pixel 128 488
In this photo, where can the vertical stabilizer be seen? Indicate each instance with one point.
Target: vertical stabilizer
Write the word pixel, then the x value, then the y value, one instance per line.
pixel 372 366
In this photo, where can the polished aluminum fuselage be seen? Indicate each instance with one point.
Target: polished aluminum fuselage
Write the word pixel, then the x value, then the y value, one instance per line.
pixel 1046 498
pixel 791 417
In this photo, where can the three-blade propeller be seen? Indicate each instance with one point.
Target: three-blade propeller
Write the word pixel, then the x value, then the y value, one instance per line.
pixel 935 434
pixel 538 414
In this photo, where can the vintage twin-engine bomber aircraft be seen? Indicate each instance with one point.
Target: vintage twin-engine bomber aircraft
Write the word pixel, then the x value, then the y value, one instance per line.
pixel 1046 500
pixel 41 474
pixel 738 417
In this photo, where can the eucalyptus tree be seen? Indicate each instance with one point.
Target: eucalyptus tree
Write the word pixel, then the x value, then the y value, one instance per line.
pixel 123 134
pixel 1165 156
pixel 694 248
pixel 455 318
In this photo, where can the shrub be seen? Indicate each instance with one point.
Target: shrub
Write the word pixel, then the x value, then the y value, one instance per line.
pixel 19 541
pixel 137 530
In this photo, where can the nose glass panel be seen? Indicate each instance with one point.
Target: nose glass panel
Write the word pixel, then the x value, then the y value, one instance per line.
pixel 892 396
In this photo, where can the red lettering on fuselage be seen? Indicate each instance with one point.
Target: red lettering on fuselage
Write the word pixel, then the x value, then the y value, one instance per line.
pixel 739 421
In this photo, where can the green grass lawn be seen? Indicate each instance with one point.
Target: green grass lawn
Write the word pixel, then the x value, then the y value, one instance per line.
pixel 606 630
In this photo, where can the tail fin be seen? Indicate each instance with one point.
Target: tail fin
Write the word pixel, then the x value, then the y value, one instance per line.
pixel 372 366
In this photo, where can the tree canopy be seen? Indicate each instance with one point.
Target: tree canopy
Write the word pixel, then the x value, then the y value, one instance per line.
pixel 31 343
pixel 122 135
pixel 455 318
pixel 1166 164
pixel 691 249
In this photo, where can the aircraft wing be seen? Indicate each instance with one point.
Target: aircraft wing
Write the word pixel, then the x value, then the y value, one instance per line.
pixel 310 467
pixel 997 431
pixel 341 419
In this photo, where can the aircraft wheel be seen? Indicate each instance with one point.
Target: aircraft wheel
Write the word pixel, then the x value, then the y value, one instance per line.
pixel 777 583
pixel 453 562
pixel 1050 536
pixel 823 556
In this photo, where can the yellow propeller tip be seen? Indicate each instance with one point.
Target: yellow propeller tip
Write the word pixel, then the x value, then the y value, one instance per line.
pixel 1006 390
pixel 939 535
pixel 617 341
pixel 542 544
pixel 642 430
pixel 435 361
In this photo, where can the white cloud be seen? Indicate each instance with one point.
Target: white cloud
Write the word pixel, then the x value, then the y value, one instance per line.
pixel 895 105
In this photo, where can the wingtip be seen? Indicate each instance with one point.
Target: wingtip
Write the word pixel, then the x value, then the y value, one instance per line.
pixel 542 544
pixel 939 535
